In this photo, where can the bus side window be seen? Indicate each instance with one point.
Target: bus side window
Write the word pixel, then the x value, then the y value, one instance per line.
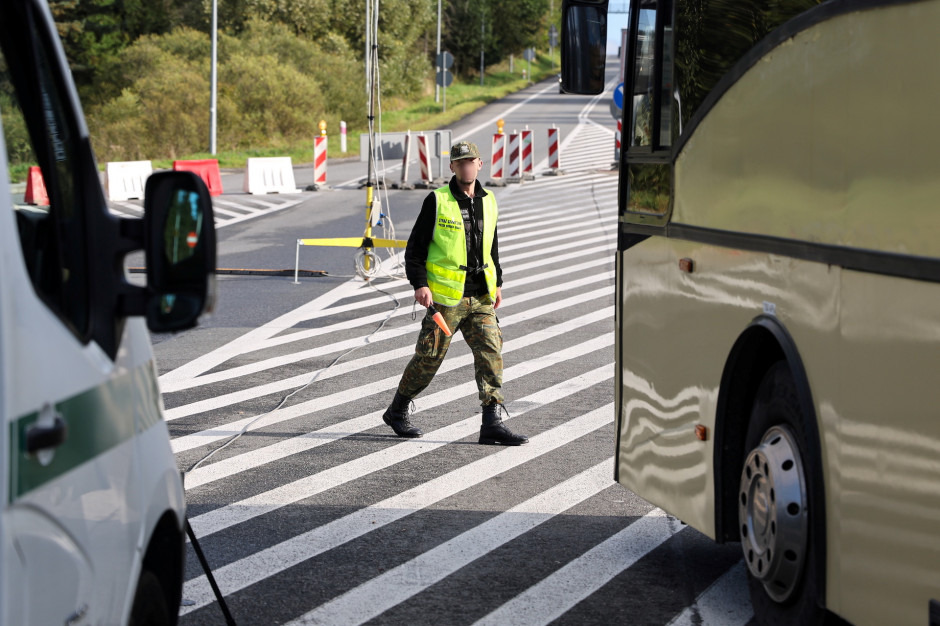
pixel 643 78
pixel 37 125
pixel 648 172
pixel 652 76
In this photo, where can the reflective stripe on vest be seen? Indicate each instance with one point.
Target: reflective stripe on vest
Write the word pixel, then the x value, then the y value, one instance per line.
pixel 447 251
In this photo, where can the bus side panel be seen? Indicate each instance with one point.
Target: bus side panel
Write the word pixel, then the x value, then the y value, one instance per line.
pixel 885 516
pixel 831 138
pixel 678 331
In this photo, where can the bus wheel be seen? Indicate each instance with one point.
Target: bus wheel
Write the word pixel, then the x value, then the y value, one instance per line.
pixel 774 507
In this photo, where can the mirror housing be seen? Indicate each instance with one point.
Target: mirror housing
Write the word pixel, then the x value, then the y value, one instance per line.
pixel 179 247
pixel 583 46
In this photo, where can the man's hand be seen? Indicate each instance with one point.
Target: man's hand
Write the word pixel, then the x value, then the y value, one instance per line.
pixel 499 297
pixel 423 296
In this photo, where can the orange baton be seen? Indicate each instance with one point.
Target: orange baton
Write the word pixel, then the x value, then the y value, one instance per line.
pixel 439 320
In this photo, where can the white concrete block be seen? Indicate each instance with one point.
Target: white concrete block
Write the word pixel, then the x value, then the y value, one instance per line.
pixel 269 175
pixel 125 180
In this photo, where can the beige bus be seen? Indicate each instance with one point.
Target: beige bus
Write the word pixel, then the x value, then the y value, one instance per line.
pixel 778 303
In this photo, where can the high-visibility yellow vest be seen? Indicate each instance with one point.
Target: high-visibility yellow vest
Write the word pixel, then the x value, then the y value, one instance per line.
pixel 447 251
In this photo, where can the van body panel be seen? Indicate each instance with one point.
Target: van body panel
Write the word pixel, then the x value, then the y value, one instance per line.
pixel 77 517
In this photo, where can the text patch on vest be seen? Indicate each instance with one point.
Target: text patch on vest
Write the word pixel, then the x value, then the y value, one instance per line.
pixel 443 222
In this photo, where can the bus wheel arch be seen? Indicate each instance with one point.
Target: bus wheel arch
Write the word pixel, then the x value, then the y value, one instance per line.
pixel 765 348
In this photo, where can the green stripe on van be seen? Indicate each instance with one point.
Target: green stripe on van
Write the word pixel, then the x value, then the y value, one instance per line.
pixel 98 420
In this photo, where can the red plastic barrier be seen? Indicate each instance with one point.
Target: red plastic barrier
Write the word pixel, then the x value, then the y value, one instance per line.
pixel 206 169
pixel 36 188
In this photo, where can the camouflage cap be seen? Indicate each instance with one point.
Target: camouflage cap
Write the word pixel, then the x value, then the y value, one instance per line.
pixel 464 150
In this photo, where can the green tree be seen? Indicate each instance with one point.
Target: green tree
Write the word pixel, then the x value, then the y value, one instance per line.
pixel 510 27
pixel 93 32
pixel 403 27
pixel 274 87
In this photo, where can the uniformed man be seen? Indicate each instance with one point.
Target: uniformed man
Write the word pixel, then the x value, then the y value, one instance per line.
pixel 452 261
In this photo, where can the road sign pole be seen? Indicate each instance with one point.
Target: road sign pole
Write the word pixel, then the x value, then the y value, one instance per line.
pixel 437 88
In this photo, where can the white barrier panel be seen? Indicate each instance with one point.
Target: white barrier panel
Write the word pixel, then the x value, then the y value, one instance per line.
pixel 125 180
pixel 269 175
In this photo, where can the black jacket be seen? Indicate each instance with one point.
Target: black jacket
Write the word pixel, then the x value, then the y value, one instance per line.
pixel 416 253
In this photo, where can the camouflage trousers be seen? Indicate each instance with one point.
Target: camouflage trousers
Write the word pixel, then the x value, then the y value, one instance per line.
pixel 476 319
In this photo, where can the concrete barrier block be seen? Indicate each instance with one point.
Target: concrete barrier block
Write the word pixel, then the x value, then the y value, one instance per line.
pixel 269 175
pixel 126 180
pixel 206 169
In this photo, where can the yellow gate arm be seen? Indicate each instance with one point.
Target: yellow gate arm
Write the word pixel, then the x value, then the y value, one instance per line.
pixel 355 242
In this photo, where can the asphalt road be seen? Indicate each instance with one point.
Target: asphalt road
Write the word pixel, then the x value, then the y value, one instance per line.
pixel 319 514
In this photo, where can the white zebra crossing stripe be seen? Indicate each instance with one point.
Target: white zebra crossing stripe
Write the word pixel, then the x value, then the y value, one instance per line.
pixel 726 602
pixel 226 212
pixel 543 230
pixel 302 443
pixel 270 561
pixel 235 205
pixel 509 287
pixel 605 246
pixel 571 212
pixel 555 595
pixel 234 348
pixel 182 443
pixel 223 431
pixel 540 241
pixel 186 375
pixel 346 344
pixel 400 583
pixel 366 320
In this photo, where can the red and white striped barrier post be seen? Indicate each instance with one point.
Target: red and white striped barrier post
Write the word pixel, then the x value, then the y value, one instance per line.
pixel 617 144
pixel 498 160
pixel 554 153
pixel 514 153
pixel 527 147
pixel 342 136
pixel 406 157
pixel 499 156
pixel 319 160
pixel 424 158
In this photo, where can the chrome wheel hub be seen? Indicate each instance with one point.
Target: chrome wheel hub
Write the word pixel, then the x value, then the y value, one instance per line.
pixel 773 513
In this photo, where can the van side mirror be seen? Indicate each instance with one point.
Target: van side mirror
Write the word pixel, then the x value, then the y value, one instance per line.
pixel 583 45
pixel 179 247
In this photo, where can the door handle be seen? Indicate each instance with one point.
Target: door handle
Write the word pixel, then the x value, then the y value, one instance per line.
pixel 43 437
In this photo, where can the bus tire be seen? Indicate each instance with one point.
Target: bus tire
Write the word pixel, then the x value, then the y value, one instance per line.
pixel 774 511
pixel 149 607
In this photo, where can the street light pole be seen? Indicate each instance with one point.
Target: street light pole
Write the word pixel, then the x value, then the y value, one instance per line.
pixel 437 88
pixel 214 74
pixel 482 37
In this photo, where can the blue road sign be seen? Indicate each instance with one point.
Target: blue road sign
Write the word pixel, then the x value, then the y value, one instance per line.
pixel 618 96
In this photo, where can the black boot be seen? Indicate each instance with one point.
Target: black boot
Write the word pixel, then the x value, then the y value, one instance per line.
pixel 396 416
pixel 494 432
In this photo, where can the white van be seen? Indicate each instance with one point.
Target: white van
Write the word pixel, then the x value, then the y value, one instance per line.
pixel 91 501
